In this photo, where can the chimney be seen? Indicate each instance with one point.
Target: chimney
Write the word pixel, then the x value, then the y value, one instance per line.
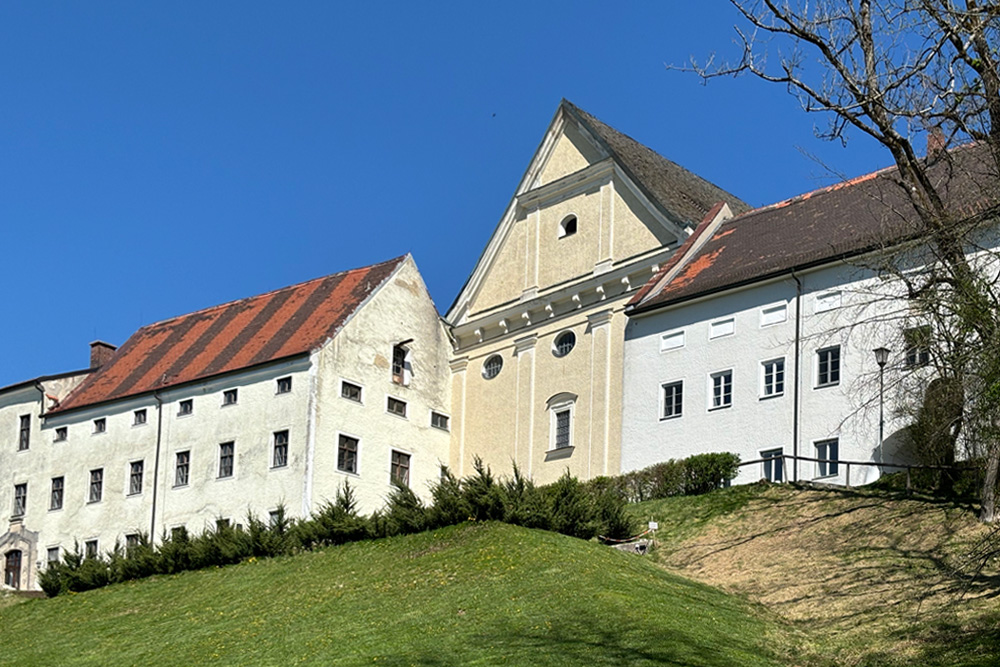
pixel 935 143
pixel 100 353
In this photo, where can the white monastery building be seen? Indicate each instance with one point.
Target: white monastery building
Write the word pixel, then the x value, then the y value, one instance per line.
pixel 624 312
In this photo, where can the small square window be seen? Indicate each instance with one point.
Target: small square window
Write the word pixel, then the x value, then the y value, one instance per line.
pixel 56 496
pixel 182 468
pixel 100 425
pixel 178 533
pixel 62 433
pixel 185 407
pixel 347 454
pixel 229 397
pixel 227 456
pixel 96 491
pixel 24 433
pixel 139 417
pixel 20 499
pixel 284 385
pixel 52 555
pixel 722 390
pixel 132 540
pixel 90 549
pixel 827 452
pixel 396 406
pixel 400 468
pixel 772 378
pixel 828 366
pixel 221 524
pixel 135 478
pixel 279 458
pixel 439 420
pixel 275 517
pixel 350 391
pixel 673 400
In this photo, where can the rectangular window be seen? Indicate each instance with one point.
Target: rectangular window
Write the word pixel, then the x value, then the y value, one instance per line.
pixel 721 328
pixel 61 434
pixel 673 400
pixel 131 541
pixel 52 555
pixel 401 468
pixel 828 366
pixel 96 485
pixel 135 478
pixel 918 346
pixel 181 468
pixel 24 433
pixel 350 391
pixel 773 315
pixel 56 496
pixel 221 524
pixel 284 385
pixel 439 420
pixel 827 451
pixel 773 465
pixel 827 301
pixel 185 407
pixel 20 499
pixel 280 457
pixel 722 389
pixel 396 406
pixel 229 397
pixel 772 378
pixel 139 417
pixel 399 364
pixel 563 419
pixel 227 451
pixel 672 340
pixel 90 549
pixel 347 454
pixel 100 425
pixel 275 517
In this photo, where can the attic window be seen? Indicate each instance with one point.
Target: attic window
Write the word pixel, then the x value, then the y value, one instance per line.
pixel 402 362
pixel 568 226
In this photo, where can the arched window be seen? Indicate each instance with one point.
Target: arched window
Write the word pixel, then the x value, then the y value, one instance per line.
pixel 568 226
pixel 492 367
pixel 564 343
pixel 561 408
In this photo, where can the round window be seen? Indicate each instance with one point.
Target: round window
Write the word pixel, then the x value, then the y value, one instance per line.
pixel 564 343
pixel 492 367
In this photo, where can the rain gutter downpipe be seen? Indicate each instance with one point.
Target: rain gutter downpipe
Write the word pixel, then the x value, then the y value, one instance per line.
pixel 798 374
pixel 156 465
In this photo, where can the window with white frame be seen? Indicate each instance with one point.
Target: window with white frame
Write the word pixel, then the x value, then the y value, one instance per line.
pixel 773 314
pixel 720 328
pixel 227 457
pixel 347 454
pixel 52 556
pixel 400 470
pixel 284 385
pixel 182 468
pixel 401 363
pixel 918 346
pixel 350 391
pixel 135 478
pixel 828 366
pixel 100 425
pixel 827 301
pixel 394 406
pixel 62 432
pixel 673 399
pixel 561 408
pixel 90 549
pixel 139 417
pixel 827 451
pixel 721 384
pixel 20 499
pixel 772 378
pixel 96 490
pixel 229 396
pixel 132 540
pixel 24 433
pixel 279 457
pixel 439 420
pixel 57 493
pixel 492 367
pixel 672 340
pixel 185 407
pixel 773 465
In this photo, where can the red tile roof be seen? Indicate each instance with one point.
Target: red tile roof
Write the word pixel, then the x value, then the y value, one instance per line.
pixel 840 221
pixel 233 336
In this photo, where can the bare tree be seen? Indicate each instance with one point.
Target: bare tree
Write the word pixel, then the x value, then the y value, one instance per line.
pixel 903 72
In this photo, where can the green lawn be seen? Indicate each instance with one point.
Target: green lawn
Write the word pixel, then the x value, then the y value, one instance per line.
pixel 471 594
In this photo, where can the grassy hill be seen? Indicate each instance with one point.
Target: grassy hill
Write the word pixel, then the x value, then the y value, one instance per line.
pixel 471 594
pixel 870 577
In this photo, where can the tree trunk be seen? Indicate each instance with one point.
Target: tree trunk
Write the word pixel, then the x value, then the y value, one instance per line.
pixel 987 511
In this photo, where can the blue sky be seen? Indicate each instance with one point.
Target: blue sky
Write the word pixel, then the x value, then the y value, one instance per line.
pixel 155 160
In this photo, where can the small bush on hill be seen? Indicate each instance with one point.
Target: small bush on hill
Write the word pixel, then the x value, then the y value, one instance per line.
pixel 706 472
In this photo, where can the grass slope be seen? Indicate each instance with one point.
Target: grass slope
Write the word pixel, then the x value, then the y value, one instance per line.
pixel 871 577
pixel 471 594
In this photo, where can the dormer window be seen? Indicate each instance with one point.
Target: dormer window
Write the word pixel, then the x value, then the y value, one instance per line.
pixel 568 226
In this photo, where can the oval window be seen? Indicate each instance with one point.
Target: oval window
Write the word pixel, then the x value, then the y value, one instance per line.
pixel 492 367
pixel 564 343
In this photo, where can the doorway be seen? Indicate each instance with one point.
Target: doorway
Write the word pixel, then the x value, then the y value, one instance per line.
pixel 12 569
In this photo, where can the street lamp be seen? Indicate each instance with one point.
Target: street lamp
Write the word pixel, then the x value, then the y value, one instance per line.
pixel 881 357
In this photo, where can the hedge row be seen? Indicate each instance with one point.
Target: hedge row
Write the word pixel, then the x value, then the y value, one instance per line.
pixel 692 476
pixel 567 506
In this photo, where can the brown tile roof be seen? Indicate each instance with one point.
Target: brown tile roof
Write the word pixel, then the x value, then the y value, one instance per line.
pixel 680 193
pixel 233 336
pixel 836 222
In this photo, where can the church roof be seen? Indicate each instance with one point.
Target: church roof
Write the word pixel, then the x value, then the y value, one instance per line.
pixel 678 191
pixel 233 336
pixel 837 222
